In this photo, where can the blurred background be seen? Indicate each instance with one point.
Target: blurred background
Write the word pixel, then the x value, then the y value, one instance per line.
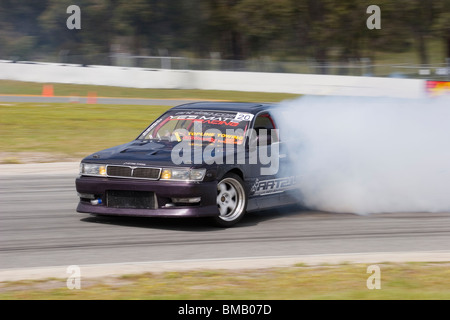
pixel 287 36
pixel 54 111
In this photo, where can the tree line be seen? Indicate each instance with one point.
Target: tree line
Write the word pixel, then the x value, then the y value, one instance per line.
pixel 232 29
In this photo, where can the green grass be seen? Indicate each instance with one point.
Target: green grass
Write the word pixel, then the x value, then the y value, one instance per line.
pixel 60 89
pixel 398 281
pixel 74 130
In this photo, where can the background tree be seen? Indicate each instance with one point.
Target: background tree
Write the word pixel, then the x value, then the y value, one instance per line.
pixel 418 17
pixel 319 30
pixel 19 36
pixel 441 26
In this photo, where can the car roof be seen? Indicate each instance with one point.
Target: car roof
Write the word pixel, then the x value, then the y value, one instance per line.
pixel 250 107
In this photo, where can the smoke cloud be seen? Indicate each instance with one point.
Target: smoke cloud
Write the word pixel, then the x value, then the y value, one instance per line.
pixel 369 155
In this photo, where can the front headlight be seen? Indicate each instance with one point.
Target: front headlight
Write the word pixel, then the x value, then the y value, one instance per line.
pixel 90 169
pixel 185 174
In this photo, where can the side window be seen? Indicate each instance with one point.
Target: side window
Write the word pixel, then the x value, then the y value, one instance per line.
pixel 265 121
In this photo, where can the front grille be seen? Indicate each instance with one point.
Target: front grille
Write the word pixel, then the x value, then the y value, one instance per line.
pixel 147 173
pixel 119 171
pixel 130 199
pixel 133 172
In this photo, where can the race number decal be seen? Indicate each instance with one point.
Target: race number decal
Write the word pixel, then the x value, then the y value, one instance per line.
pixel 244 116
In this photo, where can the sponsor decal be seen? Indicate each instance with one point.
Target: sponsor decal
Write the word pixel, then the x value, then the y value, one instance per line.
pixel 219 137
pixel 216 118
pixel 134 164
pixel 271 186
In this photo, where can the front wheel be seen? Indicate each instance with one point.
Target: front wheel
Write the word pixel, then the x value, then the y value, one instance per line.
pixel 231 200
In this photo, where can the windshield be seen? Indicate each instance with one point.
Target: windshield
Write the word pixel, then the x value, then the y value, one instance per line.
pixel 200 126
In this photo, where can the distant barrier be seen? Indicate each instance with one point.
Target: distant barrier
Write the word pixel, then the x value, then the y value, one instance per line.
pixel 213 80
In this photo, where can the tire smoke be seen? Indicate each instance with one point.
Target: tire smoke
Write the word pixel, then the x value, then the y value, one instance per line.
pixel 369 155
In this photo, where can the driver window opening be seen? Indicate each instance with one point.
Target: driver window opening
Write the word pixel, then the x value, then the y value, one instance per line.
pixel 266 122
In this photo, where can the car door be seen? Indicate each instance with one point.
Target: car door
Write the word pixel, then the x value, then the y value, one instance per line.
pixel 272 176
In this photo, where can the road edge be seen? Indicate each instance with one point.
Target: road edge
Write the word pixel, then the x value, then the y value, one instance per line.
pixel 42 168
pixel 127 268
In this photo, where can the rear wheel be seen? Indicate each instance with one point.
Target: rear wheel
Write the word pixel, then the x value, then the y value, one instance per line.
pixel 231 200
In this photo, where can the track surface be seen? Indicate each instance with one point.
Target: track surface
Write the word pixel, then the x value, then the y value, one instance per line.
pixel 39 227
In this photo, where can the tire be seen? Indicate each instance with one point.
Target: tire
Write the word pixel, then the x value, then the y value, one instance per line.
pixel 231 200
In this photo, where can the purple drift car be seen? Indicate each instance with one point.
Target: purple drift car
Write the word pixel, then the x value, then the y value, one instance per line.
pixel 207 159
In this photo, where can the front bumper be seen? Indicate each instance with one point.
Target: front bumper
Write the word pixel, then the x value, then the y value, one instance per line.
pixel 163 191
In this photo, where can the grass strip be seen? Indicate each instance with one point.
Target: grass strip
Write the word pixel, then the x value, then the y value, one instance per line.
pixel 46 132
pixel 399 281
pixel 72 130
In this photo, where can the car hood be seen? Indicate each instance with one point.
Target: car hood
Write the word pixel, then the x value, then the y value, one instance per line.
pixel 145 152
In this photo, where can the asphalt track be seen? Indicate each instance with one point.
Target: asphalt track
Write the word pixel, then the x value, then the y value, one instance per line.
pixel 41 231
